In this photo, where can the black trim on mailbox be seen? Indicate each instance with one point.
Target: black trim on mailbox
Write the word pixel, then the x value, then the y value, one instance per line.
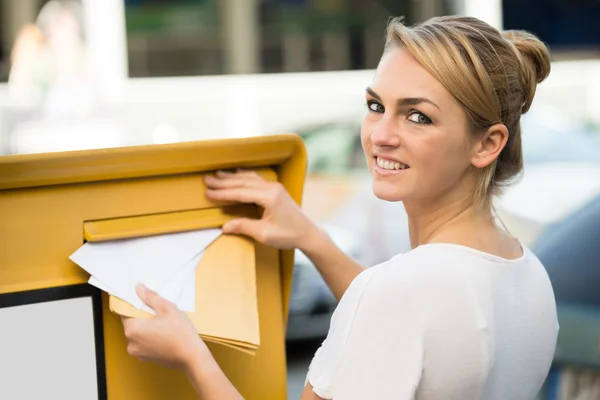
pixel 66 293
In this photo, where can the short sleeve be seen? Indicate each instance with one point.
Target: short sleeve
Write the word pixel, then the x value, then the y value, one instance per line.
pixel 374 349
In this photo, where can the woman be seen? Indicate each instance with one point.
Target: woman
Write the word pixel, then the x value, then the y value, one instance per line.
pixel 469 312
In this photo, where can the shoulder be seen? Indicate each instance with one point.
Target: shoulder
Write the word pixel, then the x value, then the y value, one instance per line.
pixel 432 279
pixel 404 285
pixel 388 302
pixel 416 272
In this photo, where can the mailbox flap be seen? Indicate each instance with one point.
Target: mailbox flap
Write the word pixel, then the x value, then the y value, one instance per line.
pixel 158 224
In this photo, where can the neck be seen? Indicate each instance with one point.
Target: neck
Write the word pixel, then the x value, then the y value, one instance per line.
pixel 449 219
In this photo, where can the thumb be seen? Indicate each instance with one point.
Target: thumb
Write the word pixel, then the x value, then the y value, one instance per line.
pixel 243 226
pixel 152 299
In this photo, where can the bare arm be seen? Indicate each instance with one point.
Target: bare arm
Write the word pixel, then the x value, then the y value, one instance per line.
pixel 309 394
pixel 209 381
pixel 336 267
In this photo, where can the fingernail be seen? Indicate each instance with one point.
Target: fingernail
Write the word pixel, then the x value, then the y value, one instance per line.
pixel 140 285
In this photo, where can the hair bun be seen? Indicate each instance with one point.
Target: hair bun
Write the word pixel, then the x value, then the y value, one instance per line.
pixel 535 61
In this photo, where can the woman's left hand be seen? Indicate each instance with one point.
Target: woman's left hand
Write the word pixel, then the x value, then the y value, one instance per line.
pixel 169 338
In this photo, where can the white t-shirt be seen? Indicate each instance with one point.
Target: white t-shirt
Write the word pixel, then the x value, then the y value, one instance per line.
pixel 442 321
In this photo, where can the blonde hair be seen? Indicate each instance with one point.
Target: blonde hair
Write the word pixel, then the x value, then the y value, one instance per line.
pixel 492 74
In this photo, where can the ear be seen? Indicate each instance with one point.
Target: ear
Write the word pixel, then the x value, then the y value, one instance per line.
pixel 487 146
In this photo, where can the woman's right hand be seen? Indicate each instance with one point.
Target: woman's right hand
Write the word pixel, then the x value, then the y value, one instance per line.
pixel 283 224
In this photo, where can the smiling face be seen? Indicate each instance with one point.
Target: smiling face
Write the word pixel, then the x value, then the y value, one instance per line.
pixel 415 134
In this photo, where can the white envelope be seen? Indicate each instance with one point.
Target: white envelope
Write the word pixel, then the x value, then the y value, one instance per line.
pixel 118 266
pixel 181 290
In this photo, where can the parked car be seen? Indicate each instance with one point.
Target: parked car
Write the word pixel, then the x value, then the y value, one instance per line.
pixel 570 251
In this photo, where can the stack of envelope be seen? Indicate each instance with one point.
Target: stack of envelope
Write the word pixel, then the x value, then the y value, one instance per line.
pixel 206 274
pixel 164 263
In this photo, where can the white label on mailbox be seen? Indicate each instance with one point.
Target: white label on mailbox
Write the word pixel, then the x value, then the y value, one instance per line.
pixel 47 351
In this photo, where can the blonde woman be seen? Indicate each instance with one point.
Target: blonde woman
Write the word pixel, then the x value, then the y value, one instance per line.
pixel 469 312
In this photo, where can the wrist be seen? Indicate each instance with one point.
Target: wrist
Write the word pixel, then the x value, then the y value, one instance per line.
pixel 313 240
pixel 207 378
pixel 197 356
pixel 201 370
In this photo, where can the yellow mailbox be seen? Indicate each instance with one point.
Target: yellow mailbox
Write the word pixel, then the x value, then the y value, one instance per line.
pixel 50 204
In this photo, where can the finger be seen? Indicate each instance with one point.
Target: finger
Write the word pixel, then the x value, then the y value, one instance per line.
pixel 125 322
pixel 130 327
pixel 248 174
pixel 244 226
pixel 241 195
pixel 152 299
pixel 238 173
pixel 217 183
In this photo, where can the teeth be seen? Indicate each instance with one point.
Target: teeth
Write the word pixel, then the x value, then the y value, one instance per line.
pixel 385 164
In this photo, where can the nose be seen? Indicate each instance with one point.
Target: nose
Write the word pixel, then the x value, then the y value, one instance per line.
pixel 385 134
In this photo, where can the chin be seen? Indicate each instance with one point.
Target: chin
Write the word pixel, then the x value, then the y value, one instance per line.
pixel 388 192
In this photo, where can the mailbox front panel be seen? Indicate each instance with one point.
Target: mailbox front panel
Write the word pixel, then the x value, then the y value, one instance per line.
pixel 46 224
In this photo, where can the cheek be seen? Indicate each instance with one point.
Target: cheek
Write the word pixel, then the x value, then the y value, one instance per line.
pixel 444 162
pixel 424 148
pixel 365 135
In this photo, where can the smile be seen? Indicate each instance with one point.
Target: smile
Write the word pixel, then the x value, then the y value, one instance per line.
pixel 390 165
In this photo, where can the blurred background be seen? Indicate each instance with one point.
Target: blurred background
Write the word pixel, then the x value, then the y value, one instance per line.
pixel 106 73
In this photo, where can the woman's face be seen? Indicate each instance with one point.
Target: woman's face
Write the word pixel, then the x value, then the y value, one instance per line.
pixel 414 133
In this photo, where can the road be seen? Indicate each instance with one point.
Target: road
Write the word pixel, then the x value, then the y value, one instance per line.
pixel 299 355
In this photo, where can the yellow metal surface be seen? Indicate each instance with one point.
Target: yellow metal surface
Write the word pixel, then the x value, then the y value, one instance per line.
pixel 48 201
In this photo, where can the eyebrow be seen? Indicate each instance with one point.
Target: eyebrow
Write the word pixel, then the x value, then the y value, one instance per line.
pixel 407 101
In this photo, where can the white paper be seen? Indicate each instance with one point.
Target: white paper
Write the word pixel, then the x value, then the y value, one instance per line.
pixel 101 285
pixel 181 290
pixel 164 263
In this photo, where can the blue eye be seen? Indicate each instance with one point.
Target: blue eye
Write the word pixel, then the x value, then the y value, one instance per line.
pixel 419 118
pixel 374 106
